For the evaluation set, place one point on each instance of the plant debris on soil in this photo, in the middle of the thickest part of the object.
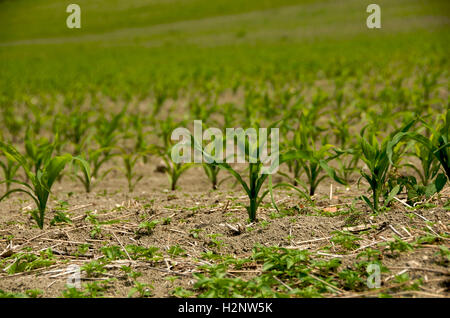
(200, 240)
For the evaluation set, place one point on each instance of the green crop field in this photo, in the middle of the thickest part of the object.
(89, 178)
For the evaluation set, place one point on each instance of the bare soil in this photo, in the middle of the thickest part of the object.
(190, 207)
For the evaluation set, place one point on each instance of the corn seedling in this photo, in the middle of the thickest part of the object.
(348, 166)
(309, 158)
(173, 169)
(129, 167)
(38, 150)
(9, 168)
(428, 161)
(106, 137)
(75, 129)
(13, 123)
(212, 171)
(40, 181)
(138, 135)
(437, 144)
(377, 157)
(256, 178)
(95, 159)
(315, 162)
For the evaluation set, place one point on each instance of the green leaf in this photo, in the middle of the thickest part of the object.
(54, 167)
(267, 266)
(287, 185)
(440, 182)
(367, 200)
(12, 154)
(18, 182)
(19, 190)
(85, 165)
(235, 174)
(331, 172)
(271, 194)
(392, 194)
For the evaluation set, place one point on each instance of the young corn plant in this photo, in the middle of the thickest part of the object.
(75, 129)
(130, 160)
(251, 150)
(252, 188)
(378, 158)
(429, 165)
(437, 145)
(256, 179)
(164, 129)
(9, 168)
(173, 169)
(312, 160)
(40, 181)
(95, 163)
(212, 171)
(428, 81)
(38, 150)
(37, 112)
(347, 167)
(160, 96)
(107, 137)
(138, 134)
(11, 121)
(315, 163)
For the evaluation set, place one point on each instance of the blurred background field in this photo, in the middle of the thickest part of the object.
(131, 47)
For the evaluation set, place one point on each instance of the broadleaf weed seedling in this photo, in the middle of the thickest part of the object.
(144, 290)
(26, 261)
(147, 227)
(345, 239)
(176, 250)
